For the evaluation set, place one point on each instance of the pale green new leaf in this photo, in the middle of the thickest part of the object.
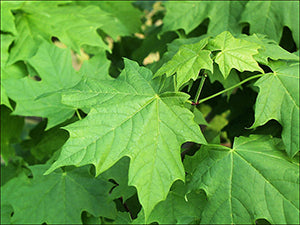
(58, 198)
(269, 17)
(278, 99)
(270, 49)
(234, 53)
(187, 63)
(41, 98)
(253, 180)
(222, 15)
(136, 111)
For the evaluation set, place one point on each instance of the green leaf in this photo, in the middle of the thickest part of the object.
(173, 48)
(117, 22)
(11, 128)
(13, 168)
(48, 142)
(119, 173)
(234, 53)
(278, 99)
(72, 25)
(42, 98)
(28, 40)
(231, 80)
(120, 24)
(7, 18)
(253, 180)
(133, 110)
(6, 41)
(187, 63)
(178, 208)
(58, 198)
(270, 49)
(272, 17)
(222, 15)
(97, 67)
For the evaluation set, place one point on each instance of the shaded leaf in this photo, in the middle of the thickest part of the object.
(178, 208)
(11, 128)
(58, 198)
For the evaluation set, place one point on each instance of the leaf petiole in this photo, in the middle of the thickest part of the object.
(78, 114)
(203, 77)
(232, 87)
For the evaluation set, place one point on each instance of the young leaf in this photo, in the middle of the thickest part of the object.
(271, 17)
(278, 99)
(252, 180)
(234, 53)
(41, 98)
(58, 198)
(187, 63)
(150, 124)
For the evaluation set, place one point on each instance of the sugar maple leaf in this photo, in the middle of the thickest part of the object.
(132, 116)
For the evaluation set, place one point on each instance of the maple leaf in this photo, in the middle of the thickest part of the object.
(252, 180)
(11, 129)
(58, 198)
(187, 62)
(234, 53)
(6, 41)
(119, 173)
(72, 25)
(269, 49)
(272, 17)
(146, 116)
(278, 99)
(223, 16)
(7, 17)
(41, 98)
(178, 208)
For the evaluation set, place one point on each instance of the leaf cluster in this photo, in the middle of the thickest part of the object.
(149, 112)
